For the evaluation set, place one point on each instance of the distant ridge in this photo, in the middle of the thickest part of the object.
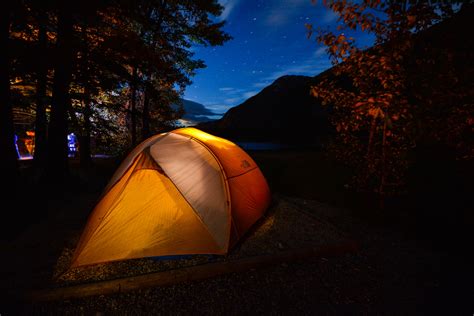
(280, 112)
(195, 113)
(285, 110)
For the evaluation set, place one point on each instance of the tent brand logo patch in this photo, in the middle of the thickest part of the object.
(245, 164)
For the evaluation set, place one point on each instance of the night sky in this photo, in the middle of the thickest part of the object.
(269, 41)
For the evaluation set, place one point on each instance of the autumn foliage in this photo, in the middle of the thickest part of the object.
(389, 97)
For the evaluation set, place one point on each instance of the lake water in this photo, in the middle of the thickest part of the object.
(262, 146)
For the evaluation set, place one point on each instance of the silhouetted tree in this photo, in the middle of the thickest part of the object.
(58, 128)
(133, 106)
(41, 89)
(96, 51)
(8, 157)
(166, 30)
(146, 132)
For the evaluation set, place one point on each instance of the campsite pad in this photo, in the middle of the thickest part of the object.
(286, 226)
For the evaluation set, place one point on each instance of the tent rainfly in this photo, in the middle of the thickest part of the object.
(177, 193)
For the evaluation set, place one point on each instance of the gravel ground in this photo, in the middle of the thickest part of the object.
(283, 227)
(393, 274)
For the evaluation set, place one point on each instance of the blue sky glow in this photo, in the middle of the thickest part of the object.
(269, 41)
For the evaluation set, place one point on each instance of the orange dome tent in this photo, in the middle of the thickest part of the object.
(182, 192)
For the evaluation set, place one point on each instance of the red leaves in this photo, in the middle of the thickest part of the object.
(340, 39)
(374, 113)
(411, 20)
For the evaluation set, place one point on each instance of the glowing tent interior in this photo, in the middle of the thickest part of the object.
(182, 192)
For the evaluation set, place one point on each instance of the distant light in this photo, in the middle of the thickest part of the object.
(72, 144)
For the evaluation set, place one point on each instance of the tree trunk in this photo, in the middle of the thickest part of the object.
(146, 114)
(41, 81)
(370, 152)
(58, 126)
(133, 100)
(85, 139)
(383, 174)
(8, 156)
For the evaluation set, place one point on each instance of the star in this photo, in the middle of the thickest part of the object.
(281, 46)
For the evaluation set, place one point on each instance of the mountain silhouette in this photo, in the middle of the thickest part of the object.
(279, 112)
(195, 113)
(285, 110)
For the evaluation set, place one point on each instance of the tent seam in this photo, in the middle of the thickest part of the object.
(241, 174)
